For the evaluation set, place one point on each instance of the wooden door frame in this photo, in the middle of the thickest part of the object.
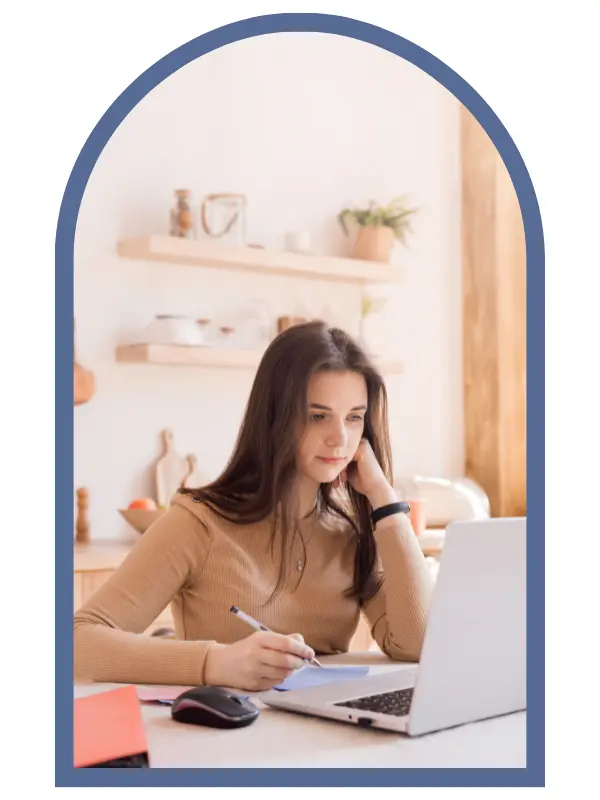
(494, 323)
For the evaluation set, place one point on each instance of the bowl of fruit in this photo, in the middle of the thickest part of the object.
(141, 513)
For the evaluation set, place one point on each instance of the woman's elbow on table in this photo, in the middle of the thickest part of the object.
(409, 652)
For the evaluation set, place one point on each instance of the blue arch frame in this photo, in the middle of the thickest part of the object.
(65, 775)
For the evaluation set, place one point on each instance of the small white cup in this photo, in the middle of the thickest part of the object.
(298, 242)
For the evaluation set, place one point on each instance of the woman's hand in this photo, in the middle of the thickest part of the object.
(256, 663)
(365, 475)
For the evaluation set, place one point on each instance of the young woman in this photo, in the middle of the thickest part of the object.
(302, 531)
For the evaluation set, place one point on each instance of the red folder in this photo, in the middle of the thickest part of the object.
(108, 730)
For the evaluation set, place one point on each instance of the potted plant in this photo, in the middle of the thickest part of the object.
(378, 227)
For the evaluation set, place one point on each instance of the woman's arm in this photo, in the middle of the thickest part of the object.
(109, 641)
(397, 613)
(108, 630)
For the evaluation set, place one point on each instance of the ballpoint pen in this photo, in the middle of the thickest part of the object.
(258, 626)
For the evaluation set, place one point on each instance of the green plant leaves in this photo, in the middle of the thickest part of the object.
(394, 215)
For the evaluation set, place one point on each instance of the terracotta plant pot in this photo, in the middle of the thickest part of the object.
(374, 243)
(84, 385)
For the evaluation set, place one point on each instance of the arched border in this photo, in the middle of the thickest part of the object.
(136, 91)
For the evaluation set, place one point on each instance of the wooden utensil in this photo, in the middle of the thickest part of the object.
(171, 470)
(193, 479)
(82, 525)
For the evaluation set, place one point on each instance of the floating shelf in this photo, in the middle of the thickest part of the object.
(180, 356)
(220, 357)
(172, 250)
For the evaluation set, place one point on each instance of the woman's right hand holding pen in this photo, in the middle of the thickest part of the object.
(257, 663)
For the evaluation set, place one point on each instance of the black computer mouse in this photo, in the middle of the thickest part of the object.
(214, 707)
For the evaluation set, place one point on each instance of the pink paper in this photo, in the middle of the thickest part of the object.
(156, 694)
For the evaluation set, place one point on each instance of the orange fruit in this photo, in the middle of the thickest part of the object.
(146, 503)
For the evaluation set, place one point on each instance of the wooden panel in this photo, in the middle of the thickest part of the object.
(87, 583)
(479, 307)
(494, 334)
(91, 582)
(103, 555)
(512, 340)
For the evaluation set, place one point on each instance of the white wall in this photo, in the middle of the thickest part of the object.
(304, 124)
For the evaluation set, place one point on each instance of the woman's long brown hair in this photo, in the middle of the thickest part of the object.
(258, 480)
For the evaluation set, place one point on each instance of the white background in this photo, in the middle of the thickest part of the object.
(305, 125)
(64, 63)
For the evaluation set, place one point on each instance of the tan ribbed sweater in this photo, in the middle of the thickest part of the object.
(203, 565)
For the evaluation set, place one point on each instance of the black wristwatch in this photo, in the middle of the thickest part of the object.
(401, 507)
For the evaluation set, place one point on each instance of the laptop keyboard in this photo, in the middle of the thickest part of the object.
(396, 703)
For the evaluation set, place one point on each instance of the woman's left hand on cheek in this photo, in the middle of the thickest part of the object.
(364, 473)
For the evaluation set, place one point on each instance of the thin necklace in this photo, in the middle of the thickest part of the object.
(301, 561)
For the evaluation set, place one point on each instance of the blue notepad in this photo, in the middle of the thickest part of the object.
(310, 676)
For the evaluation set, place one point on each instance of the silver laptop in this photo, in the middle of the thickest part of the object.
(473, 663)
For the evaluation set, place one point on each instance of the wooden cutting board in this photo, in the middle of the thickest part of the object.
(194, 478)
(171, 470)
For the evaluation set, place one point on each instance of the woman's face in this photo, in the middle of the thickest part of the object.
(337, 404)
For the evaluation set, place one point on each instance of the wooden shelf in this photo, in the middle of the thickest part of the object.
(174, 355)
(172, 250)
